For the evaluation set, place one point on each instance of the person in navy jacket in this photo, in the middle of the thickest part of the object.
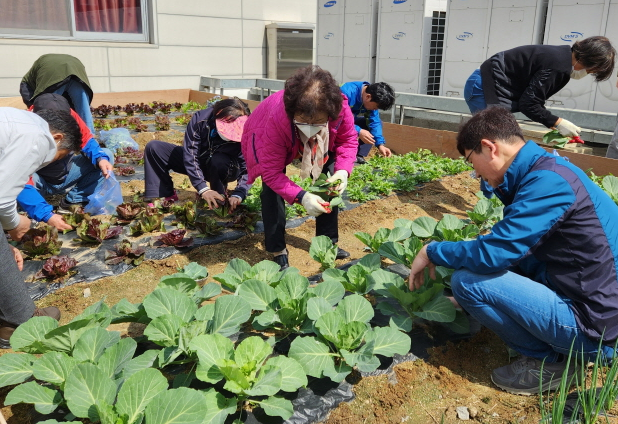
(78, 176)
(545, 278)
(365, 99)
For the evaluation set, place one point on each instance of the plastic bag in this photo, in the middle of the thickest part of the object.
(104, 201)
(117, 138)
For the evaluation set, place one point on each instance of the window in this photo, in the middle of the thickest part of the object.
(105, 20)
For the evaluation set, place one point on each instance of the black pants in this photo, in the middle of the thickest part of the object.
(363, 148)
(273, 216)
(161, 157)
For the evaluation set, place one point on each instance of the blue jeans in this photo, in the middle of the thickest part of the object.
(529, 317)
(473, 92)
(82, 180)
(79, 98)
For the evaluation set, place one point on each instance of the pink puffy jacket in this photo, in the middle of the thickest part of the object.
(269, 144)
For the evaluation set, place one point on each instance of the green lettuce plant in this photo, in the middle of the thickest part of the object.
(94, 231)
(248, 372)
(373, 243)
(428, 302)
(238, 271)
(345, 340)
(285, 308)
(324, 251)
(356, 278)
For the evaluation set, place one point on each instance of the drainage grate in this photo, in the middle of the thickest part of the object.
(436, 47)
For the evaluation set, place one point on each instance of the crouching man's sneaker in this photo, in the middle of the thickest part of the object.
(522, 376)
(7, 329)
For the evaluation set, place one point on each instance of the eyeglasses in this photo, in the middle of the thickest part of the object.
(472, 151)
(312, 125)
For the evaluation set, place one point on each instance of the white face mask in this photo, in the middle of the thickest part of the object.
(309, 130)
(578, 74)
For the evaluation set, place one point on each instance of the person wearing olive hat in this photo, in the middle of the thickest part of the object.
(210, 156)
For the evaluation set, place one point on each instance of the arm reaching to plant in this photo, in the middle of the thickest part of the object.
(211, 197)
(385, 151)
(417, 270)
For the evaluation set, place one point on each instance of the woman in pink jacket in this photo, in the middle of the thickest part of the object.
(310, 120)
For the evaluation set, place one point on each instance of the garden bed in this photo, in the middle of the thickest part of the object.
(453, 375)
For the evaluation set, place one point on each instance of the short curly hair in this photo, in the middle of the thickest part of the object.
(312, 91)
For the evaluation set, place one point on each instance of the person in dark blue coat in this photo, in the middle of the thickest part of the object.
(365, 99)
(545, 278)
(210, 156)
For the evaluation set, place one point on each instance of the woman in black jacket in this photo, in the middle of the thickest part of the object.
(523, 78)
(210, 156)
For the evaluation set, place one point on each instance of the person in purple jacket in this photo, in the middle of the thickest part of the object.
(210, 154)
(310, 120)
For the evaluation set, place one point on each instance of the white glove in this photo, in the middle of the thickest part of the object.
(567, 128)
(342, 176)
(313, 204)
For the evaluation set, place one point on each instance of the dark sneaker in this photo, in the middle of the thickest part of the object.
(522, 376)
(360, 160)
(342, 254)
(7, 329)
(282, 261)
(64, 207)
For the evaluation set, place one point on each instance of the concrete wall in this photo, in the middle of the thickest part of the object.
(189, 38)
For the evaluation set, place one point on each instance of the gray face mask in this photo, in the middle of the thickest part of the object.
(578, 74)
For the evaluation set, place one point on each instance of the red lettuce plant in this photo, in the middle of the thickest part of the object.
(244, 220)
(207, 226)
(124, 171)
(126, 252)
(127, 212)
(94, 231)
(149, 220)
(162, 123)
(76, 216)
(174, 238)
(57, 267)
(137, 125)
(41, 243)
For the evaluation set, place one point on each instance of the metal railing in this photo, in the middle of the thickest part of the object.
(594, 121)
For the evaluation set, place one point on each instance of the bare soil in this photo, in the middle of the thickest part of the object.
(420, 392)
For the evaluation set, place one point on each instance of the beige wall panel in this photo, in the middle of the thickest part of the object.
(154, 83)
(254, 33)
(180, 30)
(175, 61)
(254, 61)
(9, 87)
(217, 8)
(280, 10)
(20, 57)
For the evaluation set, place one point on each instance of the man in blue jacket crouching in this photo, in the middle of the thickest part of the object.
(545, 278)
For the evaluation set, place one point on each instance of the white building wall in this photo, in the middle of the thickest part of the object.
(189, 38)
